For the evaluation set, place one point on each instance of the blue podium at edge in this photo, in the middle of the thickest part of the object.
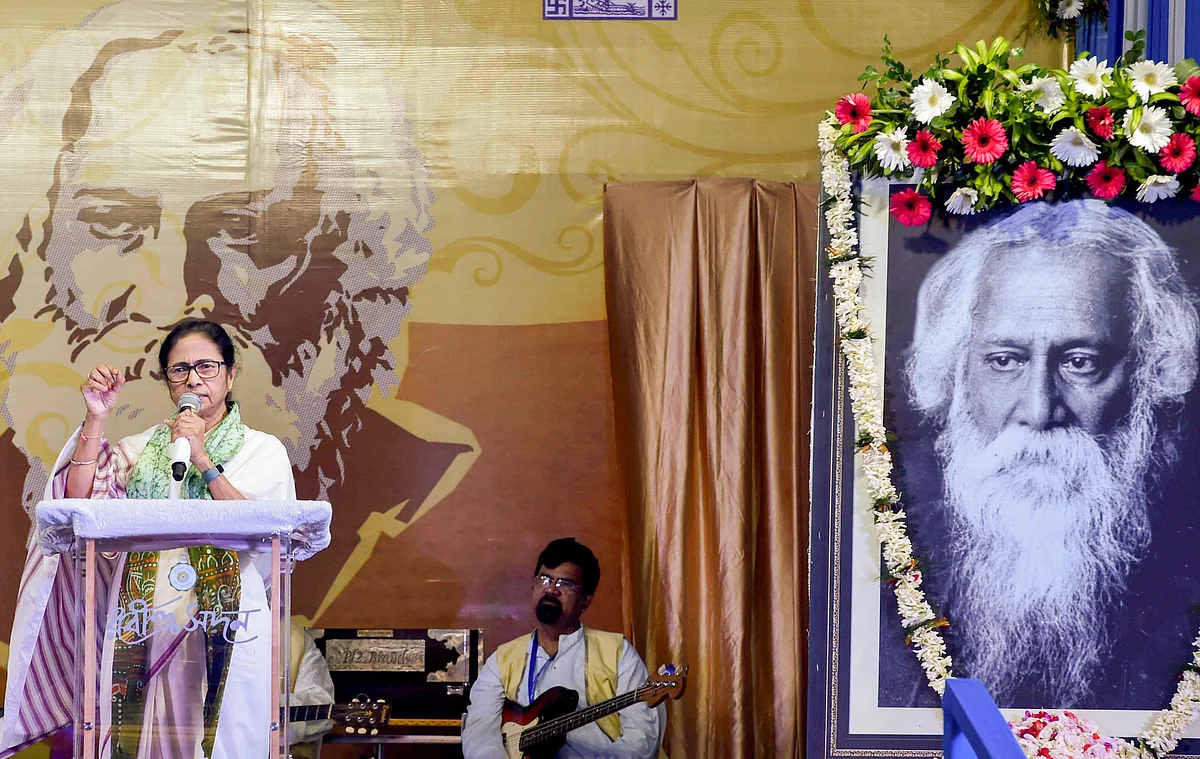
(973, 725)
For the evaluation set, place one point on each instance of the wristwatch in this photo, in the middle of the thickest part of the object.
(212, 474)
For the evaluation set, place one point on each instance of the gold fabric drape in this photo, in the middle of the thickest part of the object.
(710, 306)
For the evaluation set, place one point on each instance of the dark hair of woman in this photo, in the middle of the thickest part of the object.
(211, 330)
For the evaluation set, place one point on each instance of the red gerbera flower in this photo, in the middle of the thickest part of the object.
(1029, 181)
(1196, 193)
(1106, 182)
(984, 141)
(923, 149)
(855, 109)
(1100, 121)
(1178, 154)
(911, 208)
(1189, 95)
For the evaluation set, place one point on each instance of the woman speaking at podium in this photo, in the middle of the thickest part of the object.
(174, 694)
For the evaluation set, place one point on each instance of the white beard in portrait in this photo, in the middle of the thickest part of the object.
(1045, 528)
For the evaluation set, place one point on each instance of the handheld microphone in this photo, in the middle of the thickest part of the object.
(181, 449)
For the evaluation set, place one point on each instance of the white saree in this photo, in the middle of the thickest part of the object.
(41, 673)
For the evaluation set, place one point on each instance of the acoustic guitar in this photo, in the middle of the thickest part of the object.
(539, 730)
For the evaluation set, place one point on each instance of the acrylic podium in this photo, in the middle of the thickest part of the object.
(177, 640)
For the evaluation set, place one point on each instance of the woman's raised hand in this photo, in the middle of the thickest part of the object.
(100, 390)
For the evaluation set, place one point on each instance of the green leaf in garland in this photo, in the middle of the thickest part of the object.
(1135, 118)
(966, 55)
(1186, 69)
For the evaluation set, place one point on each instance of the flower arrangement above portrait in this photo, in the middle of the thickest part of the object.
(1059, 18)
(984, 135)
(989, 132)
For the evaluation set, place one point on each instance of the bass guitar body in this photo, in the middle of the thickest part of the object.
(516, 721)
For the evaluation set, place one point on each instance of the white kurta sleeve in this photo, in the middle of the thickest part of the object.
(481, 731)
(313, 687)
(262, 471)
(641, 726)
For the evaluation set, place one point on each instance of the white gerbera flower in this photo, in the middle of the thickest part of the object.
(1158, 187)
(930, 100)
(1050, 95)
(1088, 75)
(963, 201)
(1148, 78)
(891, 148)
(1073, 148)
(1153, 131)
(1070, 8)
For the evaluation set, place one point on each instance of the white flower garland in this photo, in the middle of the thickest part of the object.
(916, 614)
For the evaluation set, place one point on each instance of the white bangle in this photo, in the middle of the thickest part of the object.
(82, 463)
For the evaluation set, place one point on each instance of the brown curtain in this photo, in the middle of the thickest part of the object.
(710, 308)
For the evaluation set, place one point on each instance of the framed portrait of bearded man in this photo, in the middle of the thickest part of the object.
(1039, 373)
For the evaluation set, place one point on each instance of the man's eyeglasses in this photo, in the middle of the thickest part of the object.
(559, 583)
(177, 373)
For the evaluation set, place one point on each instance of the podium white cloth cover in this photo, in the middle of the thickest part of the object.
(235, 525)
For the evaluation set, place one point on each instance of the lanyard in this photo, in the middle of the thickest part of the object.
(533, 679)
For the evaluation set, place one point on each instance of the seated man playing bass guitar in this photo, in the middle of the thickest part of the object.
(600, 671)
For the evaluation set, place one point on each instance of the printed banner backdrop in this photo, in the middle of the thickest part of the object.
(395, 206)
(1050, 517)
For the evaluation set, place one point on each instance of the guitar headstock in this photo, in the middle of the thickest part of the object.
(362, 716)
(668, 683)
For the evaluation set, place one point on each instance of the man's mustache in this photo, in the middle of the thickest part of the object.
(550, 601)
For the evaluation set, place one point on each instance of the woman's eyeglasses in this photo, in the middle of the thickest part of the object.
(559, 583)
(177, 373)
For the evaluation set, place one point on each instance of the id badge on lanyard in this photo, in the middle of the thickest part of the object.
(534, 678)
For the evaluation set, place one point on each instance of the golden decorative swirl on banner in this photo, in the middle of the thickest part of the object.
(668, 44)
(570, 239)
(524, 185)
(741, 106)
(966, 31)
(505, 157)
(748, 50)
(599, 171)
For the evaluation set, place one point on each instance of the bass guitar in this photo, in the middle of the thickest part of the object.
(539, 730)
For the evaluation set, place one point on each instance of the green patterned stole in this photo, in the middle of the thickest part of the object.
(218, 588)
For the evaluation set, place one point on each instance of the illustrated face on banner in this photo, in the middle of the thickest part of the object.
(180, 164)
(1051, 354)
(156, 195)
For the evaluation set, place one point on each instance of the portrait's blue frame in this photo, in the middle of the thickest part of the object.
(832, 480)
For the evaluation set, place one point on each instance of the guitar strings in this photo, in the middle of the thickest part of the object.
(581, 717)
